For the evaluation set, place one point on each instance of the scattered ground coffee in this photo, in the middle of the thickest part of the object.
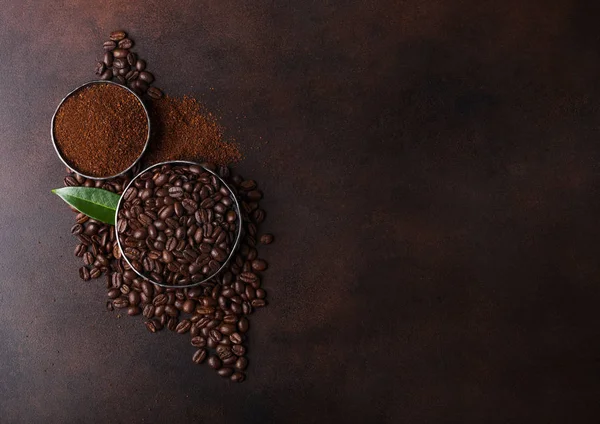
(101, 130)
(183, 130)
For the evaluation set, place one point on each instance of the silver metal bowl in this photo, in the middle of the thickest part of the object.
(64, 160)
(237, 210)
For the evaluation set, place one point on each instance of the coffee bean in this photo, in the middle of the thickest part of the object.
(133, 310)
(183, 327)
(227, 329)
(237, 377)
(125, 43)
(241, 363)
(140, 85)
(216, 335)
(107, 75)
(214, 362)
(109, 306)
(238, 349)
(243, 324)
(259, 265)
(236, 338)
(120, 63)
(266, 238)
(148, 311)
(100, 68)
(108, 59)
(172, 323)
(198, 341)
(131, 75)
(95, 273)
(121, 303)
(258, 303)
(154, 92)
(84, 273)
(132, 60)
(260, 293)
(225, 372)
(109, 46)
(146, 76)
(199, 356)
(120, 53)
(151, 326)
(117, 35)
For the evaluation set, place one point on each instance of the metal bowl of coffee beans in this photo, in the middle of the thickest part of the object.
(178, 224)
(100, 130)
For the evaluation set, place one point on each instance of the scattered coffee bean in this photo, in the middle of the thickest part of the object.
(125, 43)
(266, 238)
(200, 356)
(214, 362)
(117, 35)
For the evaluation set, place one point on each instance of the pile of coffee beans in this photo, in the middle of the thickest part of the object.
(213, 314)
(177, 224)
(122, 65)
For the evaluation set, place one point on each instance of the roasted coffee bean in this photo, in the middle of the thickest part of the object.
(77, 229)
(172, 323)
(148, 311)
(237, 377)
(225, 372)
(151, 326)
(132, 60)
(140, 65)
(117, 35)
(266, 238)
(236, 338)
(140, 85)
(260, 293)
(243, 324)
(198, 341)
(109, 306)
(183, 327)
(133, 310)
(211, 343)
(95, 273)
(227, 329)
(120, 63)
(241, 363)
(100, 68)
(230, 360)
(121, 303)
(248, 277)
(216, 335)
(259, 265)
(107, 75)
(84, 273)
(125, 43)
(108, 60)
(200, 356)
(147, 77)
(80, 250)
(214, 362)
(154, 92)
(258, 303)
(109, 46)
(238, 349)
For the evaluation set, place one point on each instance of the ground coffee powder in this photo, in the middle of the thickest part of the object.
(101, 130)
(183, 130)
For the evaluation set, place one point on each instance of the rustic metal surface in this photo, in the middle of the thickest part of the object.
(431, 176)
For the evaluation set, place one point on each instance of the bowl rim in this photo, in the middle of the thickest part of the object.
(71, 93)
(235, 244)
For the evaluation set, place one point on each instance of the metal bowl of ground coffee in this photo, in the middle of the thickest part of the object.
(100, 130)
(149, 236)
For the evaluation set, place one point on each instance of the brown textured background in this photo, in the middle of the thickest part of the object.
(431, 175)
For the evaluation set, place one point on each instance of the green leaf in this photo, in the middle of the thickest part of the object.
(94, 202)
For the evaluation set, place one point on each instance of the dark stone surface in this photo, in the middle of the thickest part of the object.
(431, 175)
